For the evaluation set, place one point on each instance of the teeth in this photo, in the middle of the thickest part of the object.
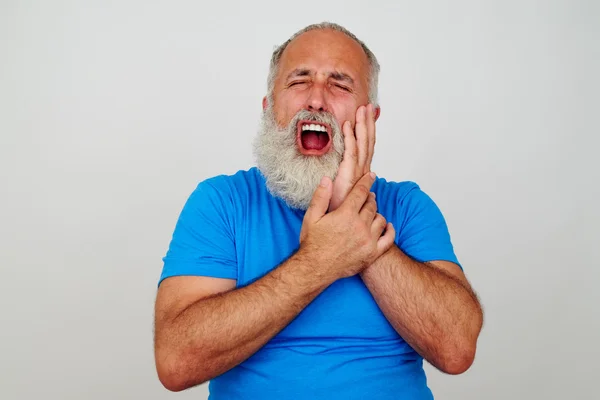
(314, 127)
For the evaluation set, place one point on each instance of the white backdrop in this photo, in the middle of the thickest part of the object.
(112, 111)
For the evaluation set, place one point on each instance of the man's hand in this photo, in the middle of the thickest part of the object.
(358, 154)
(342, 243)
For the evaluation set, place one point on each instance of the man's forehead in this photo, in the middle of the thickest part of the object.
(326, 49)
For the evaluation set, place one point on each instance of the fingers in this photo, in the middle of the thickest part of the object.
(378, 225)
(359, 193)
(387, 240)
(369, 209)
(370, 135)
(350, 148)
(362, 138)
(320, 201)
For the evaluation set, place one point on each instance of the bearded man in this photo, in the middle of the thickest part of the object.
(308, 277)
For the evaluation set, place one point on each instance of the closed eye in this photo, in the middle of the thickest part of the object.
(343, 87)
(296, 83)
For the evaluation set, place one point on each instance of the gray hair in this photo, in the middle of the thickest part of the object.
(373, 63)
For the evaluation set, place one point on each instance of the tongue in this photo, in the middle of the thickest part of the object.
(314, 140)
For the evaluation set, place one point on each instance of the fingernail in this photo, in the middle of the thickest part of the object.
(373, 175)
(324, 182)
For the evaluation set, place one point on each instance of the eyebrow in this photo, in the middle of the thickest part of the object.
(338, 76)
(298, 72)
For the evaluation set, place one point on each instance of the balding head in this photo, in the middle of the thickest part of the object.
(373, 65)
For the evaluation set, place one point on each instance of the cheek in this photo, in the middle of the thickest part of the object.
(288, 109)
(345, 115)
(282, 114)
(344, 109)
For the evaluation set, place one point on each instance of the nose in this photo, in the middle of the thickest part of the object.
(316, 99)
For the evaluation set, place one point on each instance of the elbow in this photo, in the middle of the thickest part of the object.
(172, 377)
(172, 382)
(174, 373)
(457, 361)
(459, 357)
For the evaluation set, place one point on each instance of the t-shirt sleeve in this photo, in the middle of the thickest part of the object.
(203, 240)
(423, 233)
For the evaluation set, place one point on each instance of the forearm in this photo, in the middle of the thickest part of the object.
(438, 315)
(217, 333)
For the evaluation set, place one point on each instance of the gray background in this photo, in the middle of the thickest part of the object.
(112, 112)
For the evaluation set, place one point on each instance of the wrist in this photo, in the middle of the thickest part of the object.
(385, 258)
(314, 263)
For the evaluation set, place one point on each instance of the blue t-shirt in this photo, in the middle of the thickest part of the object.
(340, 346)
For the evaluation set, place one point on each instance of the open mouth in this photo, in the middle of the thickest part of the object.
(314, 138)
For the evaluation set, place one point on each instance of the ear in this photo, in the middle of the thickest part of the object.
(377, 112)
(265, 103)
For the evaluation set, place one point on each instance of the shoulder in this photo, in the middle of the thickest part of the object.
(228, 181)
(226, 186)
(405, 201)
(421, 229)
(396, 192)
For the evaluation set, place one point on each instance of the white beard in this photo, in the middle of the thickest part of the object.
(290, 175)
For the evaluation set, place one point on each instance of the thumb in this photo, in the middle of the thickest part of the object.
(320, 200)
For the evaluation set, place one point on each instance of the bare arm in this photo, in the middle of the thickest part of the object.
(214, 334)
(431, 305)
(199, 337)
